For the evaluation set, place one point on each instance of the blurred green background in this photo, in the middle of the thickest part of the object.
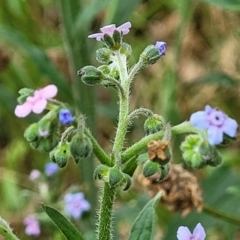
(45, 41)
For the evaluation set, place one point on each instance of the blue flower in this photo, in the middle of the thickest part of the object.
(65, 117)
(51, 169)
(161, 46)
(76, 204)
(216, 123)
(184, 233)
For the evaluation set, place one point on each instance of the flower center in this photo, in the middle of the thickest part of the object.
(217, 118)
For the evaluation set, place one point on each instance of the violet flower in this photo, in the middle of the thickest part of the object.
(76, 204)
(109, 30)
(37, 102)
(215, 122)
(51, 169)
(65, 117)
(184, 233)
(32, 226)
(161, 46)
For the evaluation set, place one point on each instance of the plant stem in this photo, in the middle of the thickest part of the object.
(6, 231)
(105, 213)
(98, 151)
(221, 215)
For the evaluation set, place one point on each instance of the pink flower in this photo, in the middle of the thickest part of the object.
(32, 226)
(37, 102)
(109, 30)
(184, 233)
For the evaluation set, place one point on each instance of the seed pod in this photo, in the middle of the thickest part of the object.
(80, 147)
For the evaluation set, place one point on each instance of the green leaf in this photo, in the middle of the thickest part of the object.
(233, 5)
(67, 228)
(143, 226)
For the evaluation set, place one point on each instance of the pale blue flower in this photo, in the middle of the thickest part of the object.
(51, 169)
(184, 233)
(161, 46)
(216, 123)
(75, 204)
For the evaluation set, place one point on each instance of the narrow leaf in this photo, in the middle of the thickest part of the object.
(143, 225)
(67, 228)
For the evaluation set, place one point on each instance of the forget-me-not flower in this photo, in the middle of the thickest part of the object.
(184, 233)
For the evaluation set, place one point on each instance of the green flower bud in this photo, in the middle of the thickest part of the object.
(101, 172)
(126, 182)
(126, 49)
(31, 132)
(150, 168)
(60, 154)
(153, 124)
(150, 55)
(90, 75)
(81, 147)
(164, 171)
(209, 154)
(103, 55)
(115, 177)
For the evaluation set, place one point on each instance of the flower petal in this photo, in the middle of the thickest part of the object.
(230, 127)
(124, 28)
(98, 36)
(49, 91)
(215, 135)
(199, 232)
(39, 106)
(199, 120)
(23, 110)
(183, 233)
(109, 29)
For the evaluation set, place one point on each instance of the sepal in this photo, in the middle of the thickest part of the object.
(103, 55)
(90, 75)
(153, 124)
(150, 168)
(101, 172)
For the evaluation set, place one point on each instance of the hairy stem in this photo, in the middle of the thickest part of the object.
(105, 213)
(6, 231)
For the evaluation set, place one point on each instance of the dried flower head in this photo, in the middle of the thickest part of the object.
(156, 149)
(181, 191)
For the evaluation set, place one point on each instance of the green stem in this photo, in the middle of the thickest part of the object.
(185, 127)
(98, 151)
(105, 213)
(136, 68)
(141, 145)
(221, 215)
(6, 231)
(137, 112)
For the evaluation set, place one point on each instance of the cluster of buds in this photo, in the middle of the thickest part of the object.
(113, 176)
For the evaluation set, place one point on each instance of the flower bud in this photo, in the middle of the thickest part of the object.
(164, 171)
(103, 55)
(190, 149)
(31, 132)
(81, 147)
(90, 75)
(126, 49)
(60, 154)
(126, 182)
(150, 55)
(101, 172)
(150, 168)
(115, 177)
(153, 124)
(209, 154)
(47, 144)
